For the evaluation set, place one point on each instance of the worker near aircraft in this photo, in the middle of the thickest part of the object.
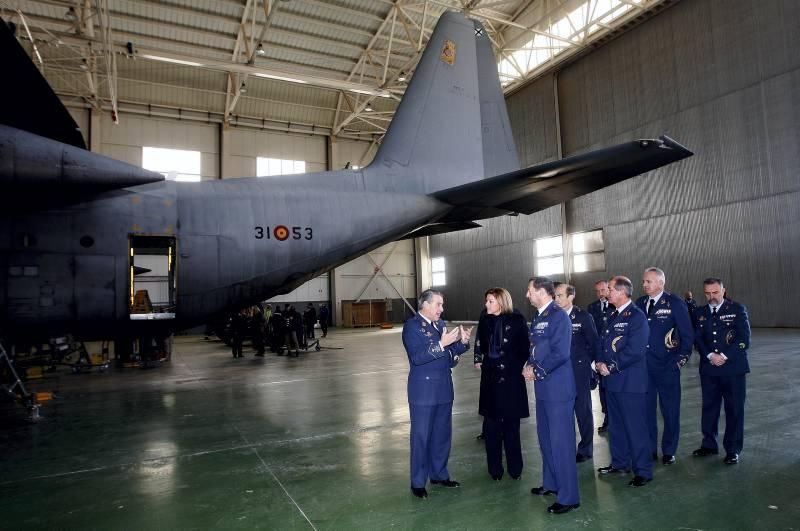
(550, 367)
(432, 351)
(668, 350)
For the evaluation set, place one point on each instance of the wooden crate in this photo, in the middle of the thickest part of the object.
(365, 313)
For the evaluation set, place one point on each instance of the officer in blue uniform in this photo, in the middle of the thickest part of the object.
(623, 362)
(668, 350)
(549, 365)
(432, 351)
(584, 346)
(722, 338)
(600, 310)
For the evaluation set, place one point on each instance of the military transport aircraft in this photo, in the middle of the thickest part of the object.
(78, 231)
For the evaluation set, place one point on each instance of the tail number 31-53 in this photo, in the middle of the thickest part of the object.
(283, 233)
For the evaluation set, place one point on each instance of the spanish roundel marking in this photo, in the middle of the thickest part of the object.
(281, 232)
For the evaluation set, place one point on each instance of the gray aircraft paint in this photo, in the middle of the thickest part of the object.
(451, 132)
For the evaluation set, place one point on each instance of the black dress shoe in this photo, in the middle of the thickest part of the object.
(445, 483)
(497, 477)
(516, 478)
(638, 481)
(668, 459)
(580, 458)
(731, 459)
(419, 492)
(704, 452)
(480, 437)
(541, 491)
(558, 508)
(611, 470)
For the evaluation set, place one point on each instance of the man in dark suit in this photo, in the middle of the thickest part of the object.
(583, 350)
(600, 310)
(549, 365)
(722, 338)
(668, 350)
(623, 362)
(432, 351)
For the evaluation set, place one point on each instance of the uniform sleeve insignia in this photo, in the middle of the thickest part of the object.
(448, 54)
(614, 343)
(730, 337)
(671, 339)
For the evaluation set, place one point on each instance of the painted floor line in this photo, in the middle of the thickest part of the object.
(278, 481)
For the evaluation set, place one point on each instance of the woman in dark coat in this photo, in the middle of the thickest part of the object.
(504, 396)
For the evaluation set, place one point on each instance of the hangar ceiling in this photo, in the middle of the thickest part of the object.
(336, 67)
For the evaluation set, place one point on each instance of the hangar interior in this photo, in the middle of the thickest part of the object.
(215, 90)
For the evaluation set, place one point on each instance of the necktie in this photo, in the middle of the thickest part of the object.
(651, 307)
(603, 307)
(713, 310)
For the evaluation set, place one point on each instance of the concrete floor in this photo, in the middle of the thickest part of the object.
(321, 442)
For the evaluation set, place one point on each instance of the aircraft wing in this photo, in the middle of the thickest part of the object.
(538, 187)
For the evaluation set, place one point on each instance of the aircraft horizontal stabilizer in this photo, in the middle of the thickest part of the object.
(538, 187)
(29, 103)
(440, 228)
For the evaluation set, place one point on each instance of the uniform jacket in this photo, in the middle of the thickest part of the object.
(585, 340)
(504, 394)
(671, 332)
(624, 351)
(727, 332)
(599, 316)
(551, 338)
(429, 379)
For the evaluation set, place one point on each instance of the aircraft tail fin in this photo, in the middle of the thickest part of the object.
(31, 105)
(452, 127)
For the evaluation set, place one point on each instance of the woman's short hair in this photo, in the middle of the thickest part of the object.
(502, 296)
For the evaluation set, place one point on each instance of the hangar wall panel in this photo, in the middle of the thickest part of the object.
(245, 145)
(124, 141)
(352, 151)
(722, 78)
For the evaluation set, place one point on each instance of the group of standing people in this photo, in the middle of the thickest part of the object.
(635, 349)
(277, 328)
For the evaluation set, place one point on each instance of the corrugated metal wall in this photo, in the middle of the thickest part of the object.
(722, 78)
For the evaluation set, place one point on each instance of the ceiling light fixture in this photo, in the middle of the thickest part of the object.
(243, 89)
(260, 50)
(401, 77)
(368, 108)
(70, 14)
(170, 60)
(281, 78)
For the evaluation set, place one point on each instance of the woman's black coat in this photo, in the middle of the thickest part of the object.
(503, 391)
